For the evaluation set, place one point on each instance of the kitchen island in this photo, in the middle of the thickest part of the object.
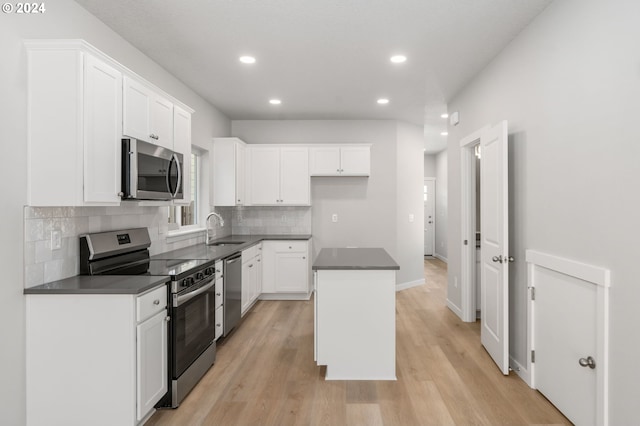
(355, 332)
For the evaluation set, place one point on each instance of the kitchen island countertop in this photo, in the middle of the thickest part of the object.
(354, 258)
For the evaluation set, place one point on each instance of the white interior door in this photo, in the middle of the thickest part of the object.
(563, 334)
(494, 231)
(429, 216)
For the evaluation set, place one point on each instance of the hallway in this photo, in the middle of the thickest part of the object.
(265, 374)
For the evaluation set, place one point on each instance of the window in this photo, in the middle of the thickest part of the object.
(181, 217)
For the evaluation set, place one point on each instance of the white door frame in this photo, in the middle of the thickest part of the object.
(468, 216)
(601, 278)
(433, 234)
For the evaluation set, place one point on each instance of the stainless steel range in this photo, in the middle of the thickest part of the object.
(192, 348)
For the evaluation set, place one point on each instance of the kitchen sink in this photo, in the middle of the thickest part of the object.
(225, 243)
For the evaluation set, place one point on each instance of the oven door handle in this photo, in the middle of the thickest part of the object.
(186, 297)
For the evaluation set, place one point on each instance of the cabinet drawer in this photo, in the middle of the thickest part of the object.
(151, 303)
(290, 246)
(219, 292)
(219, 314)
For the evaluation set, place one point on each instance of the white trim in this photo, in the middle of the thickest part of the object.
(456, 309)
(410, 284)
(601, 278)
(184, 234)
(285, 296)
(441, 257)
(593, 274)
(468, 216)
(520, 370)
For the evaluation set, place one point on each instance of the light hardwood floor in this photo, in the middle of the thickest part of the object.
(265, 374)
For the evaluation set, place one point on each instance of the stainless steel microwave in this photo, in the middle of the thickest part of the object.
(150, 172)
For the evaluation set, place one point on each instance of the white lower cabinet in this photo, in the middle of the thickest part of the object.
(151, 363)
(286, 270)
(251, 276)
(219, 300)
(98, 359)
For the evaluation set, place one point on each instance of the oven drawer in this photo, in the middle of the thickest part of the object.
(151, 303)
(219, 322)
(219, 292)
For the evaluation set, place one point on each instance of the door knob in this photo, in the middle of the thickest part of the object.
(587, 362)
(497, 259)
(430, 222)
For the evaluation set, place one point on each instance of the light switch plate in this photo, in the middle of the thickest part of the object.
(411, 217)
(334, 217)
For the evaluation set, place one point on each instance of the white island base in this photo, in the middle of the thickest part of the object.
(355, 327)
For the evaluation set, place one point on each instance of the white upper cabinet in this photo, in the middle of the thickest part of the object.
(74, 127)
(182, 145)
(80, 105)
(102, 131)
(147, 115)
(340, 160)
(228, 172)
(263, 175)
(278, 175)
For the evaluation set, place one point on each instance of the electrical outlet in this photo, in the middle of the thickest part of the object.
(283, 219)
(56, 240)
(334, 217)
(411, 217)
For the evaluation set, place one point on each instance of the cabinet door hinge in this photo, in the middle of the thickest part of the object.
(533, 356)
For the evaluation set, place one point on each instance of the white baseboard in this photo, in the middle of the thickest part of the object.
(520, 370)
(285, 296)
(441, 257)
(409, 284)
(456, 309)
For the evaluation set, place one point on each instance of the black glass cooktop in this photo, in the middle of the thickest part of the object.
(176, 268)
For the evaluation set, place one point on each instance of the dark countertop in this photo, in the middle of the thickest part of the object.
(354, 258)
(136, 284)
(100, 284)
(210, 252)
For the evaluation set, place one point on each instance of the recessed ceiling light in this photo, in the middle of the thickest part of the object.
(398, 59)
(383, 101)
(247, 59)
(444, 133)
(275, 101)
(445, 115)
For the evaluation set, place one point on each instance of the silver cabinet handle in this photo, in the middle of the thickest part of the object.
(251, 266)
(304, 257)
(587, 362)
(218, 294)
(156, 302)
(218, 325)
(497, 259)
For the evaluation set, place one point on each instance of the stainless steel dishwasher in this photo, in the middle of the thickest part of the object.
(232, 291)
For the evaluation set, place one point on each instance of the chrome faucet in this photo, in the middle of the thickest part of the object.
(206, 223)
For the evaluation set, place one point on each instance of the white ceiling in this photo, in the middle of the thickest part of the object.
(326, 59)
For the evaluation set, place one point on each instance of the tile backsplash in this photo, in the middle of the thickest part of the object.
(271, 220)
(42, 264)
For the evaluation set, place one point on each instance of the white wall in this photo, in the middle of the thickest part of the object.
(442, 206)
(569, 86)
(63, 19)
(410, 204)
(435, 165)
(430, 165)
(366, 207)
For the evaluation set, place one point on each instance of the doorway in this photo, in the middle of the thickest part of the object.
(491, 263)
(429, 195)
